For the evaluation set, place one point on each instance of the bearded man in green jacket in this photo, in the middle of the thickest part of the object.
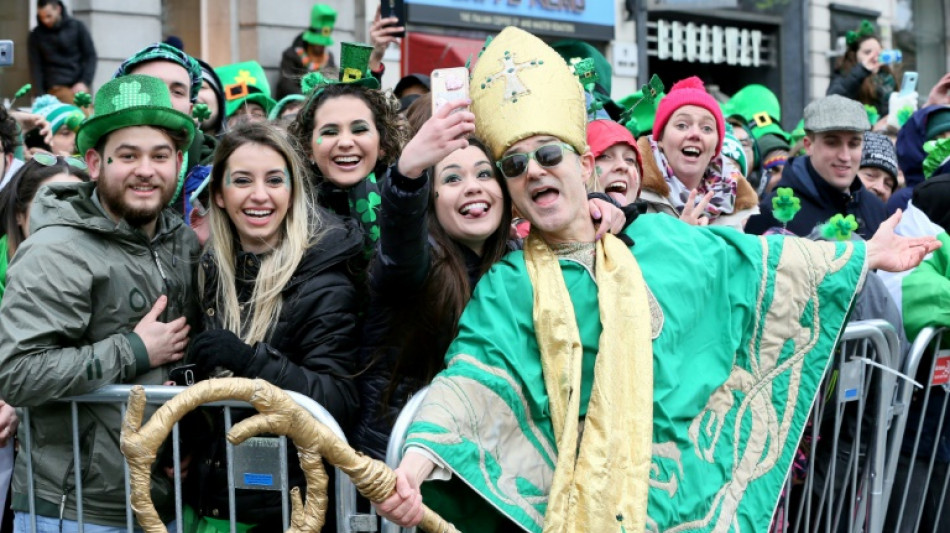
(101, 293)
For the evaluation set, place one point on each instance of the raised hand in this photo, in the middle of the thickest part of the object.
(165, 342)
(382, 33)
(893, 253)
(694, 213)
(444, 133)
(609, 218)
(940, 94)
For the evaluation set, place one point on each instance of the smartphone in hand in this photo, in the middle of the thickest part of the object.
(394, 8)
(909, 83)
(448, 84)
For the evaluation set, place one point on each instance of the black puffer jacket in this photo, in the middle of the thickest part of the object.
(61, 55)
(820, 201)
(312, 351)
(398, 274)
(848, 84)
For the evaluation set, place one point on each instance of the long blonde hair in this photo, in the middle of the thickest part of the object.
(302, 227)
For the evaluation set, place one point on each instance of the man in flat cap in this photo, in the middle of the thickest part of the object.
(826, 180)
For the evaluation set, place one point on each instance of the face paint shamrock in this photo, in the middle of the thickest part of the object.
(130, 95)
(785, 205)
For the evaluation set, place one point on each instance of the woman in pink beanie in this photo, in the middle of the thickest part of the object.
(684, 173)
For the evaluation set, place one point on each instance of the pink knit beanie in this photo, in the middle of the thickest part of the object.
(690, 91)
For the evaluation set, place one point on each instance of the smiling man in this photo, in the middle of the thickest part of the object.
(826, 180)
(595, 385)
(101, 293)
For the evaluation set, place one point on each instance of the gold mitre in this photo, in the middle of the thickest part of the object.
(522, 87)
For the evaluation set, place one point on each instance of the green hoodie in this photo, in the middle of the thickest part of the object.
(76, 290)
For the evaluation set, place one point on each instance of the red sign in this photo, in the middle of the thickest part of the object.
(941, 371)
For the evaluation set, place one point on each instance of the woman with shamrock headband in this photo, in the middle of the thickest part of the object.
(279, 304)
(351, 133)
(684, 172)
(859, 73)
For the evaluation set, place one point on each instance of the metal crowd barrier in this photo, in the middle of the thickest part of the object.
(396, 441)
(912, 464)
(845, 486)
(348, 520)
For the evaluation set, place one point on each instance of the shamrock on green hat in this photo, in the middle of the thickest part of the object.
(322, 19)
(244, 82)
(128, 101)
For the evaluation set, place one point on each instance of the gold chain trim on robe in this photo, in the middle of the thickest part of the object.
(604, 486)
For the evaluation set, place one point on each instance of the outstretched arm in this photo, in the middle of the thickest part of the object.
(890, 252)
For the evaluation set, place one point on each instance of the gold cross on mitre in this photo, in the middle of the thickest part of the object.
(509, 70)
(244, 76)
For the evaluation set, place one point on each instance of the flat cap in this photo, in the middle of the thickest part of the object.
(836, 113)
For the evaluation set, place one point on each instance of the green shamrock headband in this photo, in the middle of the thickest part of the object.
(866, 29)
(839, 228)
(785, 205)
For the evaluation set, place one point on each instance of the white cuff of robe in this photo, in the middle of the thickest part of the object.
(441, 472)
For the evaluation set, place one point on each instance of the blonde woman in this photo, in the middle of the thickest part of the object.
(278, 302)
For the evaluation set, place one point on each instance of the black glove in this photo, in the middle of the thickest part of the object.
(220, 348)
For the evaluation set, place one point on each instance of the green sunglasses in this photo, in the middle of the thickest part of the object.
(549, 155)
(49, 160)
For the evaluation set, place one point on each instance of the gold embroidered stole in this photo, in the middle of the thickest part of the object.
(602, 484)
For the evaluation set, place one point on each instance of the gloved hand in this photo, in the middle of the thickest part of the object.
(220, 348)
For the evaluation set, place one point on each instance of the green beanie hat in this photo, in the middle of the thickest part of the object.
(938, 122)
(732, 148)
(322, 19)
(57, 113)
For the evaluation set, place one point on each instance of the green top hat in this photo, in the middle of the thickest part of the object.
(322, 19)
(244, 82)
(354, 64)
(132, 100)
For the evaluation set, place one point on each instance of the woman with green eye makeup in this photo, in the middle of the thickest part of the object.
(278, 301)
(684, 172)
(351, 134)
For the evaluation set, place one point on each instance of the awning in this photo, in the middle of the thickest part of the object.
(425, 52)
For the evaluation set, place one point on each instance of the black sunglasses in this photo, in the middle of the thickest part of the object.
(49, 160)
(549, 155)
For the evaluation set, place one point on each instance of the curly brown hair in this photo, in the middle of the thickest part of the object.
(393, 133)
